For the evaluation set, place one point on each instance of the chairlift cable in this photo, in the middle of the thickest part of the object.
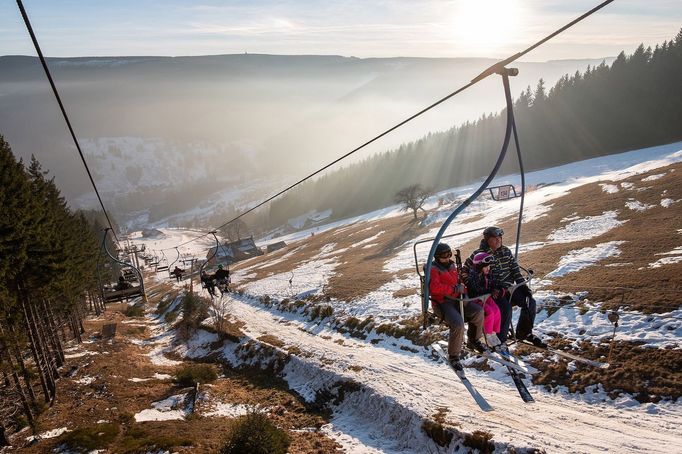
(61, 106)
(491, 70)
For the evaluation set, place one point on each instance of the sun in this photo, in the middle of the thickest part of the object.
(486, 26)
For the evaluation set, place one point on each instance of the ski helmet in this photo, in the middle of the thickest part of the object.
(442, 249)
(220, 267)
(483, 259)
(492, 231)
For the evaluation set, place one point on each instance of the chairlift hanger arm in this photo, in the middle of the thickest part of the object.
(505, 144)
(217, 244)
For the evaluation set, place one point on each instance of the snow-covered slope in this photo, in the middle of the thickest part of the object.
(399, 385)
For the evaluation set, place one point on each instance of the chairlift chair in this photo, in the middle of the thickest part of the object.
(503, 192)
(109, 293)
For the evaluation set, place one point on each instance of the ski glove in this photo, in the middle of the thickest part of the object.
(525, 291)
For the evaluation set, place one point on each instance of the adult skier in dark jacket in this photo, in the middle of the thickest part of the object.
(505, 270)
(444, 286)
(221, 275)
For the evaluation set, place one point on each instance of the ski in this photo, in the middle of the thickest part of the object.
(580, 359)
(520, 386)
(514, 359)
(502, 360)
(480, 400)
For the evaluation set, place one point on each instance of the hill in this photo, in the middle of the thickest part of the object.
(334, 321)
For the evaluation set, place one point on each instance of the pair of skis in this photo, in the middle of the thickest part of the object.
(514, 366)
(480, 400)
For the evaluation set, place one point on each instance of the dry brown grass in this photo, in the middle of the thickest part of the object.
(360, 269)
(647, 233)
(648, 374)
(114, 398)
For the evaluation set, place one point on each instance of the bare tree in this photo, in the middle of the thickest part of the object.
(235, 230)
(413, 198)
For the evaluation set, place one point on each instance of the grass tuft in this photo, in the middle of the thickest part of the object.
(91, 437)
(192, 374)
(254, 433)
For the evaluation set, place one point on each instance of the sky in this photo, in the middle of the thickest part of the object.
(380, 28)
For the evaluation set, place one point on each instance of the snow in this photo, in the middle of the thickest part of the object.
(582, 258)
(79, 354)
(609, 188)
(665, 203)
(48, 434)
(156, 376)
(85, 380)
(307, 279)
(164, 410)
(637, 206)
(586, 228)
(676, 258)
(653, 177)
(232, 410)
(368, 240)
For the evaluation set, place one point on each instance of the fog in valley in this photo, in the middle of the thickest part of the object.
(193, 140)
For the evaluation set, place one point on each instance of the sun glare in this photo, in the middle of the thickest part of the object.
(485, 26)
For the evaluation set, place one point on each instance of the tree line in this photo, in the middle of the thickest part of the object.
(635, 102)
(48, 261)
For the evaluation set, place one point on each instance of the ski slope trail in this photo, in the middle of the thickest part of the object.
(413, 383)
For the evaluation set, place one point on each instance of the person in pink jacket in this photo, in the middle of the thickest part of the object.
(445, 288)
(481, 282)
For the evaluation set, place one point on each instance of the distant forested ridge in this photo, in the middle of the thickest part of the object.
(636, 102)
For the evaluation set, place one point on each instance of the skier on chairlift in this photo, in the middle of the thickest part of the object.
(445, 287)
(505, 269)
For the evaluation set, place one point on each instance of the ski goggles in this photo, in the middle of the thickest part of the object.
(487, 260)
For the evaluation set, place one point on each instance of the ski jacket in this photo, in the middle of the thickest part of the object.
(221, 274)
(480, 284)
(444, 280)
(504, 269)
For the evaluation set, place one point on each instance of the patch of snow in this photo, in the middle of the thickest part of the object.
(593, 325)
(198, 345)
(79, 355)
(232, 410)
(85, 380)
(48, 434)
(676, 258)
(627, 185)
(308, 279)
(665, 203)
(164, 410)
(635, 205)
(586, 228)
(570, 218)
(653, 177)
(368, 240)
(582, 258)
(609, 188)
